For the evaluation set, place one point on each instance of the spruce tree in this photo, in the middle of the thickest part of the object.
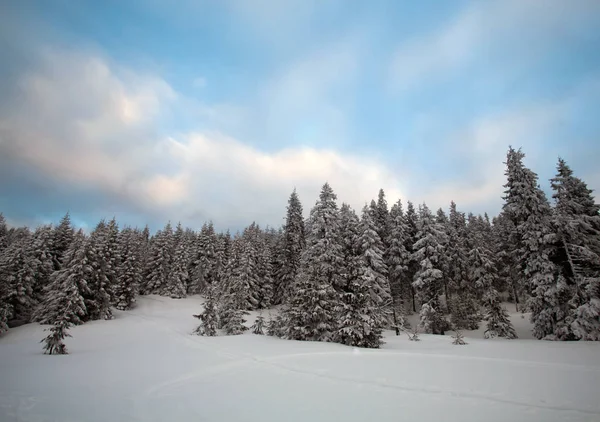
(65, 295)
(365, 302)
(40, 248)
(259, 323)
(397, 259)
(61, 240)
(54, 341)
(576, 219)
(130, 270)
(310, 313)
(159, 261)
(428, 279)
(412, 221)
(177, 281)
(18, 274)
(3, 233)
(208, 317)
(349, 233)
(101, 257)
(293, 244)
(532, 240)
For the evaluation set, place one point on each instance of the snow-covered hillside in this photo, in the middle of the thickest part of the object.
(147, 366)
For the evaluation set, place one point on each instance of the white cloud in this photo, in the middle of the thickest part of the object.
(525, 29)
(83, 122)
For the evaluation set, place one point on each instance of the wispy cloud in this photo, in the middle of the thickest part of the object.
(517, 28)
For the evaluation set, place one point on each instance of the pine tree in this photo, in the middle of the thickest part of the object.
(159, 261)
(54, 341)
(577, 221)
(427, 280)
(203, 266)
(3, 233)
(293, 244)
(349, 233)
(397, 257)
(367, 297)
(65, 295)
(61, 240)
(310, 313)
(532, 239)
(208, 318)
(498, 322)
(257, 327)
(130, 270)
(412, 222)
(482, 274)
(18, 274)
(177, 280)
(40, 249)
(100, 297)
(457, 258)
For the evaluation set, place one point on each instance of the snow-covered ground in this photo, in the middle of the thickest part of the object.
(146, 366)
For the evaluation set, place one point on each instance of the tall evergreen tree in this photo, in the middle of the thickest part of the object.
(177, 281)
(310, 313)
(3, 233)
(18, 275)
(102, 258)
(61, 240)
(412, 221)
(40, 249)
(349, 235)
(428, 250)
(577, 221)
(532, 240)
(398, 259)
(64, 296)
(159, 261)
(130, 270)
(293, 244)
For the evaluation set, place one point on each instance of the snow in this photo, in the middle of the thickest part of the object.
(145, 365)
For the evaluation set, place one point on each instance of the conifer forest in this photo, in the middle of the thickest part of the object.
(341, 275)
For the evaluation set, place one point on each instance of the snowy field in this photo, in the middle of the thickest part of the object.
(146, 366)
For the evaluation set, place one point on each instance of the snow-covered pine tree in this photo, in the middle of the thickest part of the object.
(397, 259)
(349, 233)
(54, 341)
(18, 274)
(203, 265)
(110, 258)
(40, 248)
(159, 261)
(130, 269)
(101, 257)
(293, 244)
(412, 221)
(482, 274)
(64, 297)
(498, 322)
(577, 221)
(177, 281)
(208, 317)
(533, 244)
(3, 233)
(310, 312)
(444, 263)
(428, 279)
(382, 219)
(259, 323)
(61, 239)
(364, 304)
(457, 256)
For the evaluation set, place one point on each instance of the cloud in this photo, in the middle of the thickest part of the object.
(478, 151)
(517, 29)
(87, 125)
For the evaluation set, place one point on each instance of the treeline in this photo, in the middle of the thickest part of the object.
(338, 276)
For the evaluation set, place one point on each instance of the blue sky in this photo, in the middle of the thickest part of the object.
(187, 111)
